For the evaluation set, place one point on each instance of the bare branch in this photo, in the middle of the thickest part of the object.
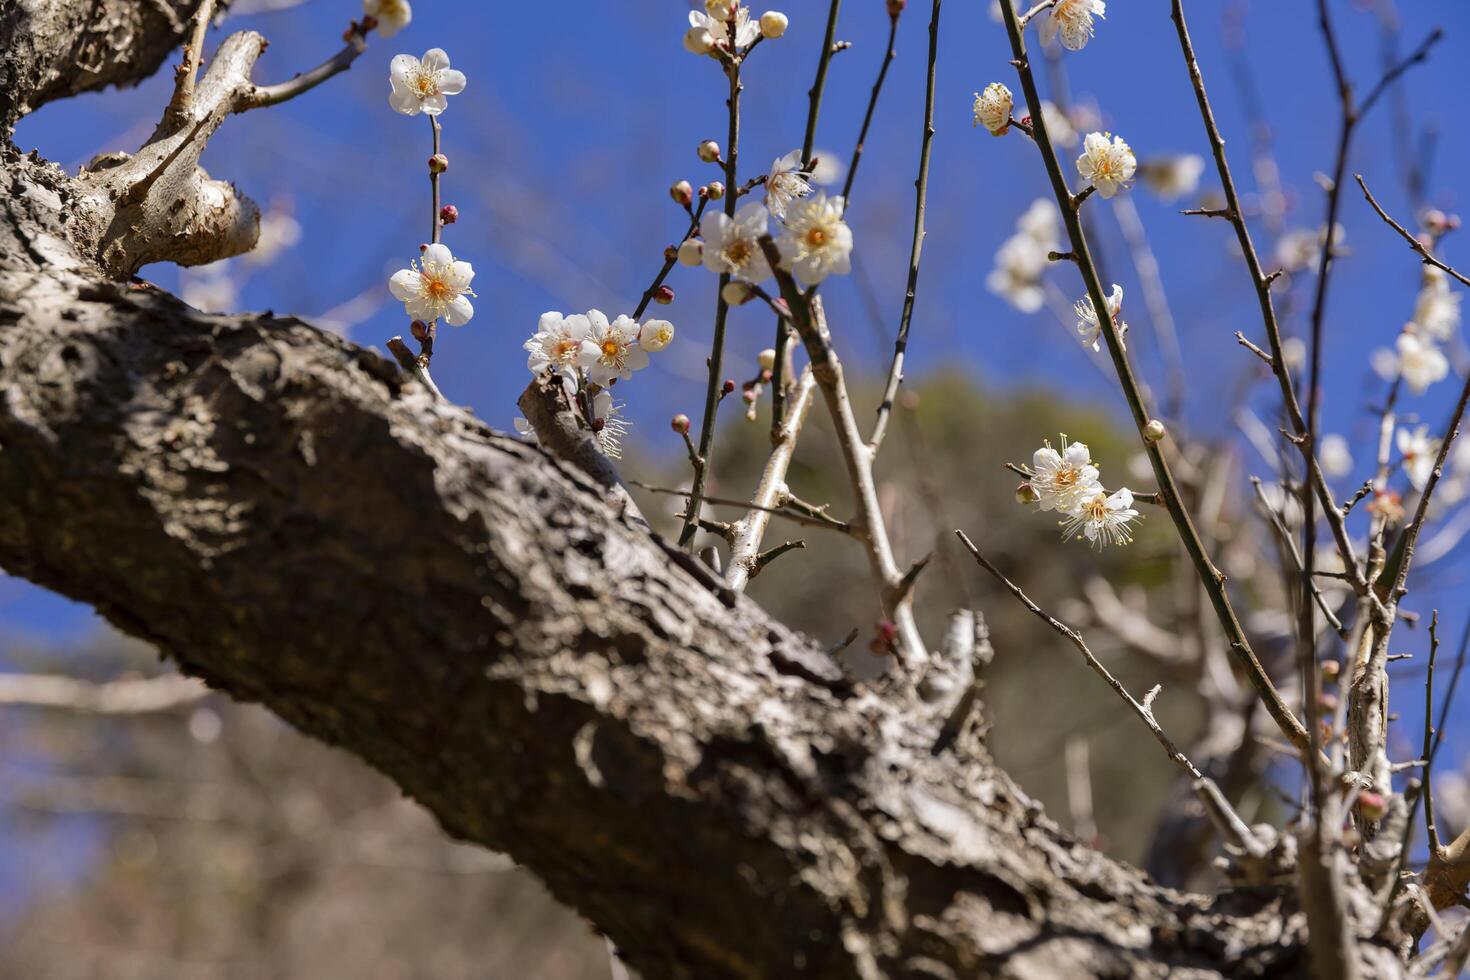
(123, 697)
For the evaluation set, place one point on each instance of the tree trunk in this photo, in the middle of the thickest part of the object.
(290, 520)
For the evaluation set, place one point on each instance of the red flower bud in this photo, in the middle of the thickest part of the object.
(448, 214)
(420, 330)
(438, 163)
(728, 386)
(664, 296)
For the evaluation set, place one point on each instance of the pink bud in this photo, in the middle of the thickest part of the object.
(728, 386)
(448, 214)
(680, 424)
(1372, 805)
(664, 296)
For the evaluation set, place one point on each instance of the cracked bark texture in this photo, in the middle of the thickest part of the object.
(495, 630)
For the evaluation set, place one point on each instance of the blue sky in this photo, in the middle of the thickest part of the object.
(578, 116)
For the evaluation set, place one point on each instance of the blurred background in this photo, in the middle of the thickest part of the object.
(151, 830)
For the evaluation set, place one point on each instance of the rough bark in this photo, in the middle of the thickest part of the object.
(500, 634)
(59, 48)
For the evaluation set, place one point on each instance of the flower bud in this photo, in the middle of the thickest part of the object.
(709, 151)
(1330, 670)
(750, 395)
(1434, 220)
(655, 335)
(682, 192)
(1154, 432)
(1026, 494)
(448, 214)
(438, 163)
(671, 254)
(766, 359)
(885, 638)
(1372, 805)
(680, 424)
(728, 386)
(664, 296)
(895, 7)
(420, 330)
(736, 292)
(691, 253)
(697, 40)
(1327, 701)
(773, 24)
(714, 190)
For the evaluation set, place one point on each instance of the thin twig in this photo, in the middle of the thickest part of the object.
(751, 529)
(1211, 577)
(1409, 237)
(193, 55)
(916, 249)
(1430, 830)
(1143, 711)
(260, 96)
(830, 523)
(1289, 543)
(810, 322)
(722, 313)
(1262, 283)
(890, 52)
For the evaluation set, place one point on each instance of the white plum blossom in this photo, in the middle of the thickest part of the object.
(435, 286)
(735, 29)
(423, 85)
(1059, 126)
(1437, 308)
(1072, 21)
(1173, 177)
(993, 108)
(1103, 518)
(1108, 164)
(557, 342)
(392, 15)
(1089, 326)
(786, 183)
(732, 245)
(655, 335)
(1016, 278)
(1063, 480)
(1420, 362)
(1040, 222)
(610, 351)
(609, 426)
(1419, 451)
(1301, 248)
(1022, 259)
(1335, 457)
(816, 242)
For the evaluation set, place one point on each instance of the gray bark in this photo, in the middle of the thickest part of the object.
(498, 632)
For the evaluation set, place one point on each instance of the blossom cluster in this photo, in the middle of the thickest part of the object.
(1068, 483)
(726, 28)
(1417, 358)
(814, 240)
(1022, 259)
(589, 354)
